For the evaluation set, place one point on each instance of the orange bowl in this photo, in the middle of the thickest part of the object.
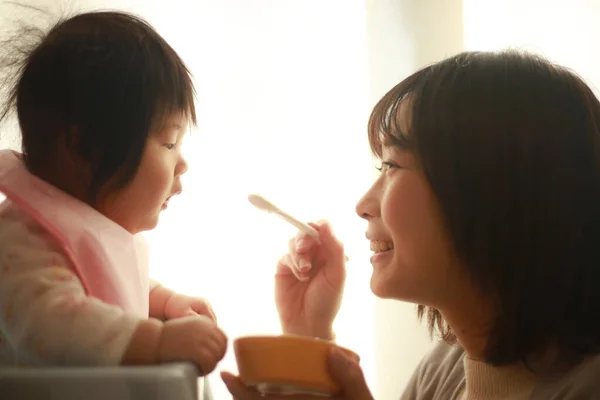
(286, 364)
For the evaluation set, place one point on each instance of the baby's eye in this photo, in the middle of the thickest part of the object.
(170, 146)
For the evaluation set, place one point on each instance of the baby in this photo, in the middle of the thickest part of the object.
(103, 104)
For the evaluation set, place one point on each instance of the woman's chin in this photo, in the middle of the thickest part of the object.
(380, 286)
(395, 287)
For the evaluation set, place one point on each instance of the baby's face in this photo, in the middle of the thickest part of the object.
(137, 206)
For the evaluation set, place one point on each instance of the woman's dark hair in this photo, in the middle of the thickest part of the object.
(100, 82)
(510, 145)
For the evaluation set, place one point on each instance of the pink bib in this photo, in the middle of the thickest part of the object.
(111, 263)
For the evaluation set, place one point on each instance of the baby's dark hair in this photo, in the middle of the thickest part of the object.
(99, 83)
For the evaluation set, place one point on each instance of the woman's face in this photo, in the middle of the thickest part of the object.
(413, 256)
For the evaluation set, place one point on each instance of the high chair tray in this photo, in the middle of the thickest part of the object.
(163, 382)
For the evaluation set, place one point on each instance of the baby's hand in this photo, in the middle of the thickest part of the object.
(180, 305)
(194, 338)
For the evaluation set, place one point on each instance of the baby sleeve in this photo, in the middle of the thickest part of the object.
(46, 318)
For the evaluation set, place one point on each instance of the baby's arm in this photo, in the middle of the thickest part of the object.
(45, 314)
(159, 297)
(46, 318)
(166, 304)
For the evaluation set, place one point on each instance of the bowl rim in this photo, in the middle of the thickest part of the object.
(296, 338)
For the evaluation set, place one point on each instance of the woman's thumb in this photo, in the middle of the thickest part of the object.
(346, 371)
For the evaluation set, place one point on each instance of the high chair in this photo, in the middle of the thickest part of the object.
(163, 382)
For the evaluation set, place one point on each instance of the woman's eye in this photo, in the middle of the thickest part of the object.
(386, 165)
(170, 146)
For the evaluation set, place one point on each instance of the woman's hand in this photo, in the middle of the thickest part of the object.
(309, 283)
(344, 370)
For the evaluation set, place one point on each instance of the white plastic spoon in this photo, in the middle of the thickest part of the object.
(262, 204)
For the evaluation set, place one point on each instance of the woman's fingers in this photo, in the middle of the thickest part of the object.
(286, 265)
(301, 249)
(346, 371)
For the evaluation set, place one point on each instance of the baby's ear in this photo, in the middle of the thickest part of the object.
(78, 159)
(75, 149)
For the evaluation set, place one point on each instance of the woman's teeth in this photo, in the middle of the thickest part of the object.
(379, 246)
